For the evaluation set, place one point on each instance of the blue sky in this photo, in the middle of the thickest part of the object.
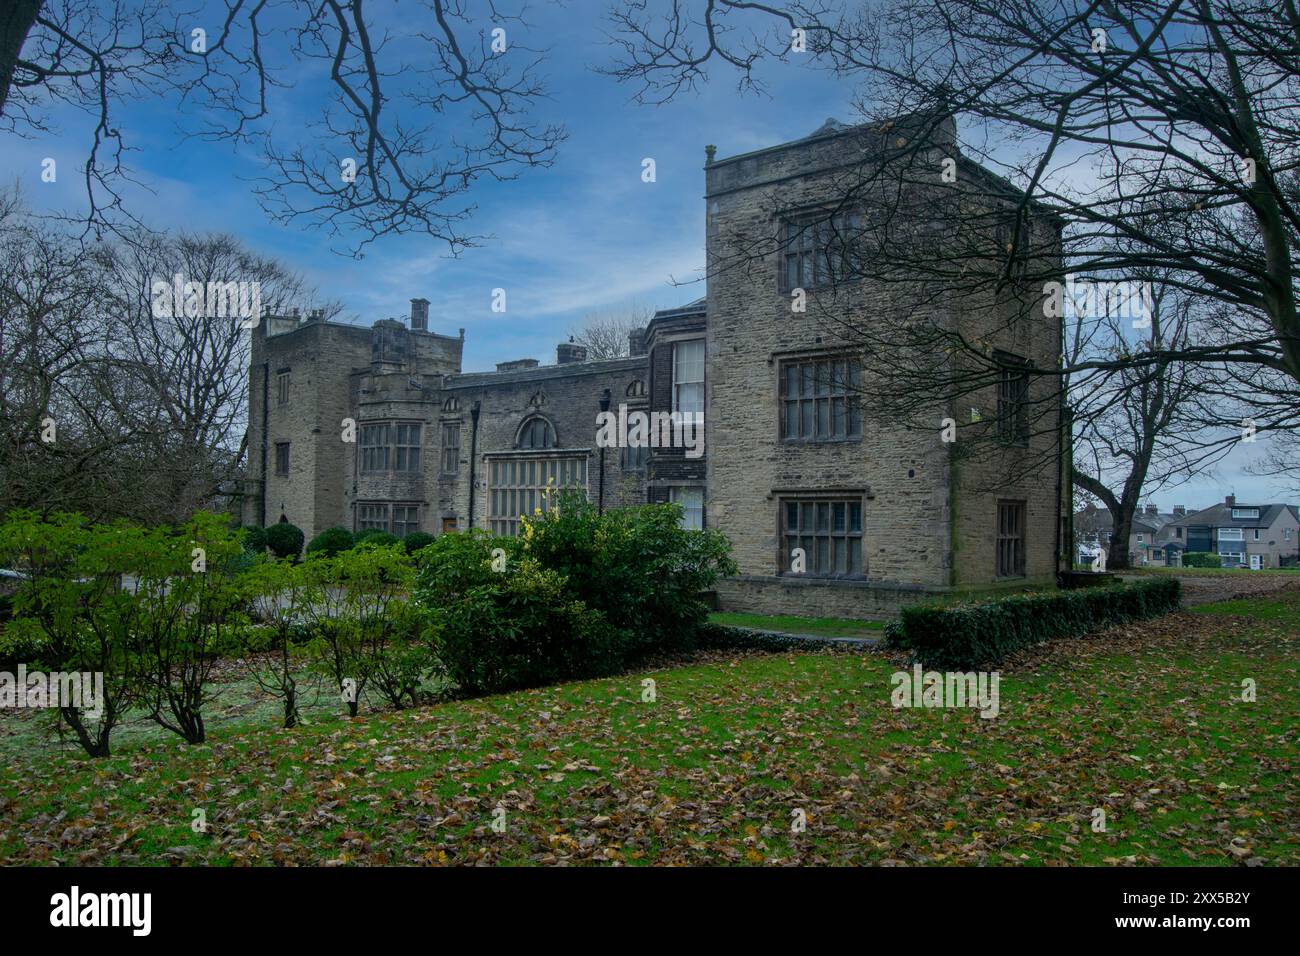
(587, 235)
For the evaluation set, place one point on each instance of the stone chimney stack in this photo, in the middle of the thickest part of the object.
(1180, 511)
(1230, 501)
(420, 315)
(566, 353)
(1153, 510)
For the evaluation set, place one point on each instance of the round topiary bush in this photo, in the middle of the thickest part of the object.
(373, 537)
(331, 541)
(284, 539)
(416, 540)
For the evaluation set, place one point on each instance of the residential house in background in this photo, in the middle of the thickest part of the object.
(1151, 540)
(1244, 536)
(1254, 536)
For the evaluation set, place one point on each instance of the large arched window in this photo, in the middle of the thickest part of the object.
(535, 432)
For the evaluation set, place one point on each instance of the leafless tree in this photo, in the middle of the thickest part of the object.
(1140, 429)
(605, 333)
(191, 370)
(106, 406)
(409, 124)
(1129, 138)
(59, 443)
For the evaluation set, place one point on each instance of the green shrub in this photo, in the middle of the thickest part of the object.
(577, 594)
(374, 538)
(645, 573)
(254, 539)
(1201, 559)
(497, 631)
(405, 657)
(16, 646)
(965, 636)
(257, 638)
(331, 541)
(279, 597)
(357, 606)
(284, 540)
(156, 642)
(416, 540)
(894, 633)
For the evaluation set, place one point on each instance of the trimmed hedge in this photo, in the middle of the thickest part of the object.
(965, 636)
(255, 539)
(1201, 559)
(727, 637)
(332, 541)
(374, 538)
(416, 540)
(284, 540)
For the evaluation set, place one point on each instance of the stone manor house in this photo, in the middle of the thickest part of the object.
(884, 515)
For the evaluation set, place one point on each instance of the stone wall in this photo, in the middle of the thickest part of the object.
(929, 508)
(899, 476)
(326, 363)
(568, 397)
(929, 522)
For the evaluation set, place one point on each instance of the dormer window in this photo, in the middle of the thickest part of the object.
(1245, 512)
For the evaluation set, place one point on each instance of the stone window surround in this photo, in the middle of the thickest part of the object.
(704, 370)
(388, 507)
(638, 404)
(781, 496)
(807, 215)
(779, 360)
(1021, 538)
(674, 486)
(776, 361)
(542, 455)
(443, 448)
(1013, 399)
(528, 420)
(392, 446)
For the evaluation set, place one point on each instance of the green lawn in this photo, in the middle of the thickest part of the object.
(1283, 609)
(791, 624)
(1145, 722)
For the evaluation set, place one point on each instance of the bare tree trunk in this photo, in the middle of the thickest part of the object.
(15, 23)
(95, 745)
(1121, 508)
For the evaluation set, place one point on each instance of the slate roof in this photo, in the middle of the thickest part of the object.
(1220, 516)
(1100, 520)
